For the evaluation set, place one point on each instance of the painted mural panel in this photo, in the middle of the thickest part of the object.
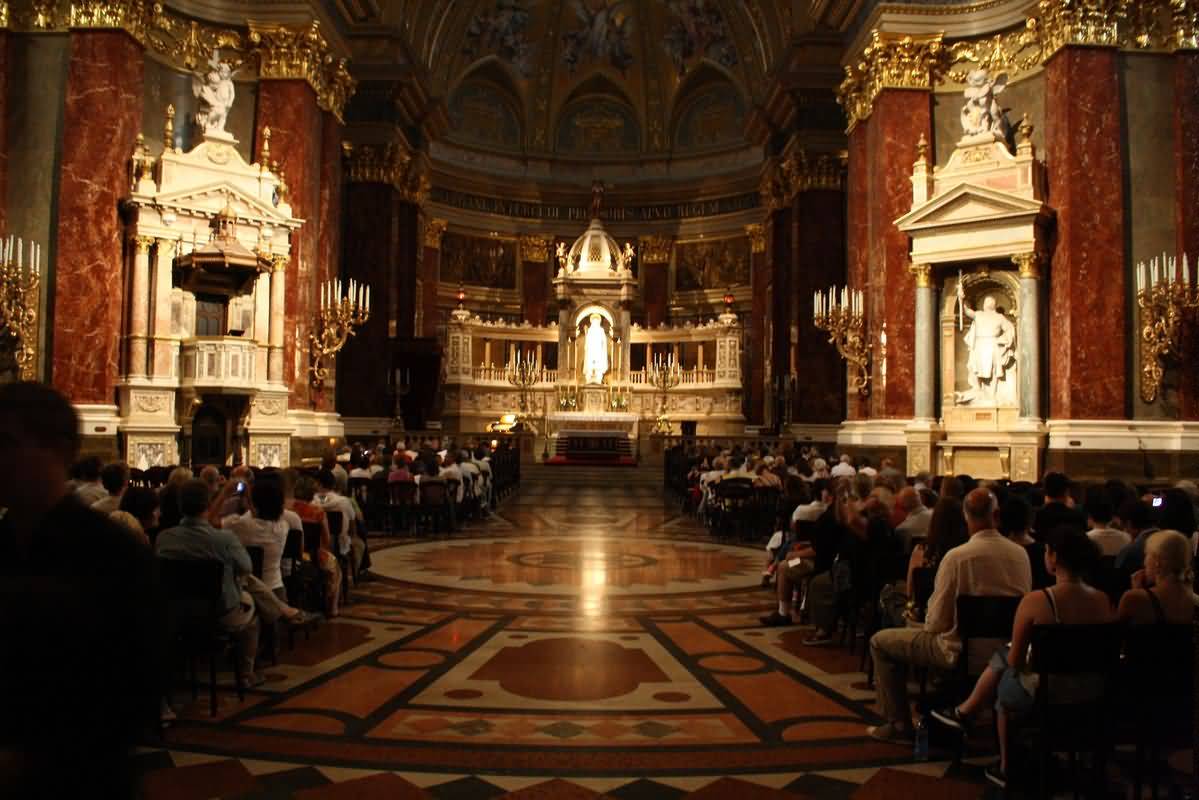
(501, 30)
(602, 33)
(598, 126)
(481, 113)
(714, 118)
(697, 30)
(478, 261)
(714, 264)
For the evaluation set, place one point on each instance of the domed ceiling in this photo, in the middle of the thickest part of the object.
(598, 79)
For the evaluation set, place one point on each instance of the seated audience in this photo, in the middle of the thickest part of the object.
(263, 526)
(844, 467)
(81, 677)
(169, 513)
(361, 470)
(865, 468)
(115, 480)
(1138, 524)
(915, 520)
(399, 471)
(330, 499)
(143, 504)
(130, 523)
(88, 487)
(1099, 522)
(211, 476)
(309, 511)
(946, 530)
(1161, 592)
(1059, 507)
(195, 539)
(987, 564)
(234, 497)
(766, 478)
(1070, 601)
(811, 559)
(1014, 519)
(450, 471)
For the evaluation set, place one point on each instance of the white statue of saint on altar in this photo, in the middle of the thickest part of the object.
(595, 351)
(214, 89)
(991, 345)
(981, 113)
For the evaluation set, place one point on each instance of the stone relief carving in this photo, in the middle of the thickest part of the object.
(151, 403)
(268, 407)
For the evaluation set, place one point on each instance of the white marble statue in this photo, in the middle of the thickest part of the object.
(595, 351)
(981, 112)
(991, 344)
(214, 89)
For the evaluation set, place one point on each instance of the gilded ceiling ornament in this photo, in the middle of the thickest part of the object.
(1184, 24)
(3, 14)
(434, 230)
(656, 249)
(757, 238)
(535, 247)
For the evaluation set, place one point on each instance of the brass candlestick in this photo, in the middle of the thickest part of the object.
(19, 293)
(664, 374)
(523, 373)
(841, 314)
(1165, 298)
(338, 315)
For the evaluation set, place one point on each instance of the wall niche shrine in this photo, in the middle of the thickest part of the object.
(960, 235)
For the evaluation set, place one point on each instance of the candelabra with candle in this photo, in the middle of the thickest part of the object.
(523, 373)
(339, 313)
(664, 374)
(1166, 297)
(840, 312)
(20, 283)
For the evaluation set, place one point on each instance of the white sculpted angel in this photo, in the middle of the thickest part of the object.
(595, 351)
(214, 89)
(981, 113)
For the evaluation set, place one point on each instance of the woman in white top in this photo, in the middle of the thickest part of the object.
(264, 526)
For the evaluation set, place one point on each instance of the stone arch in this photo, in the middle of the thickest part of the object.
(708, 110)
(486, 106)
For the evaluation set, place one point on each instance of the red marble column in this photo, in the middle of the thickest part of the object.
(1186, 182)
(755, 389)
(857, 235)
(657, 293)
(328, 264)
(101, 119)
(430, 272)
(411, 250)
(4, 132)
(782, 248)
(900, 117)
(535, 281)
(289, 108)
(820, 263)
(371, 247)
(1083, 143)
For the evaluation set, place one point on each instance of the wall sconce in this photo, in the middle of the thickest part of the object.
(336, 319)
(840, 312)
(1165, 302)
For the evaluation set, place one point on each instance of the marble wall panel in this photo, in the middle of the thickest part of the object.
(101, 118)
(329, 264)
(1186, 202)
(1149, 212)
(33, 115)
(535, 284)
(168, 86)
(781, 255)
(1024, 96)
(656, 297)
(4, 131)
(289, 108)
(371, 247)
(757, 350)
(857, 233)
(1087, 302)
(820, 263)
(899, 119)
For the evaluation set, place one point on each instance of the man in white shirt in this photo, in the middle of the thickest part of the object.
(844, 468)
(88, 488)
(915, 523)
(810, 512)
(329, 499)
(865, 468)
(483, 462)
(115, 480)
(1099, 522)
(450, 471)
(987, 564)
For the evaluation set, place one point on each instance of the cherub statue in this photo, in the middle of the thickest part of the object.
(981, 112)
(214, 89)
(560, 252)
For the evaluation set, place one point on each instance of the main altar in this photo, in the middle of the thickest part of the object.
(594, 372)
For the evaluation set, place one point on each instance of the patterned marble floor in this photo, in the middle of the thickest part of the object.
(586, 641)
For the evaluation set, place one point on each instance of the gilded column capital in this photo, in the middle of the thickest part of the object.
(813, 171)
(757, 237)
(279, 262)
(143, 244)
(1184, 24)
(890, 61)
(923, 273)
(302, 53)
(389, 163)
(655, 249)
(434, 230)
(535, 247)
(166, 245)
(1029, 265)
(774, 186)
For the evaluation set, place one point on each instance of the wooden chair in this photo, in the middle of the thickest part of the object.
(335, 522)
(451, 493)
(193, 593)
(268, 633)
(434, 507)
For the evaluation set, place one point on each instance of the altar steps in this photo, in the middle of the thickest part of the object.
(596, 448)
(590, 475)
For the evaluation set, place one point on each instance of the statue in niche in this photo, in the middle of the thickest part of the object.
(991, 347)
(981, 112)
(214, 89)
(595, 351)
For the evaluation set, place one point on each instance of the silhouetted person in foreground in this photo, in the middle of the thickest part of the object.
(79, 625)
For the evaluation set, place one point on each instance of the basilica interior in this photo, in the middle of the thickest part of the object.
(578, 257)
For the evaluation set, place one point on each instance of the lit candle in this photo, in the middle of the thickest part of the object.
(368, 298)
(1141, 276)
(20, 254)
(1186, 270)
(1153, 273)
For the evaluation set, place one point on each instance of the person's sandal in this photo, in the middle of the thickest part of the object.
(952, 718)
(890, 732)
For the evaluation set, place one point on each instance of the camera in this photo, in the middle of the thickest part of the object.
(1157, 502)
(241, 487)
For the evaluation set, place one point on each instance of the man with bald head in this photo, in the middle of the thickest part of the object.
(988, 564)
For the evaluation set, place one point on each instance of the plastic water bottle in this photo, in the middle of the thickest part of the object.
(920, 749)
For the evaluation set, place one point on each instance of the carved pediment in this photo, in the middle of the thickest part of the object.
(968, 204)
(211, 198)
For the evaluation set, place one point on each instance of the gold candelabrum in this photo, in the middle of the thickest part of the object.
(523, 373)
(339, 313)
(665, 374)
(20, 283)
(1166, 296)
(840, 312)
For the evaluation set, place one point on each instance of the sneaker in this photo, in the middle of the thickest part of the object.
(818, 639)
(776, 620)
(996, 776)
(952, 718)
(890, 732)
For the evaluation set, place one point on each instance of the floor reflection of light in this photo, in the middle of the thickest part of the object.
(595, 582)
